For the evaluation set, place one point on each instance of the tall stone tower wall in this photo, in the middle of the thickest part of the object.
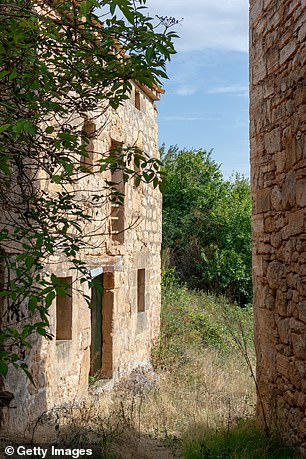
(278, 176)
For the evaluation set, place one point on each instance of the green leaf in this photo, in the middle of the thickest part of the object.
(25, 125)
(41, 331)
(29, 261)
(129, 15)
(137, 181)
(13, 74)
(69, 168)
(85, 7)
(4, 166)
(49, 298)
(28, 373)
(49, 129)
(3, 368)
(32, 305)
(4, 127)
(57, 178)
(4, 73)
(155, 182)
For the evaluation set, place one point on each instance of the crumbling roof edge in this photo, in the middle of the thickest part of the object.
(153, 93)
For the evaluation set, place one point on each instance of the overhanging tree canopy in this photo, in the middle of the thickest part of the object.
(61, 63)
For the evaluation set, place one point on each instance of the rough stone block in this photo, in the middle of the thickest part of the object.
(276, 198)
(284, 254)
(283, 365)
(275, 272)
(276, 239)
(301, 286)
(302, 312)
(272, 60)
(299, 345)
(273, 141)
(266, 321)
(264, 249)
(287, 51)
(262, 200)
(301, 399)
(289, 191)
(281, 304)
(266, 4)
(290, 398)
(301, 192)
(257, 265)
(256, 10)
(280, 160)
(295, 223)
(283, 330)
(258, 72)
(257, 224)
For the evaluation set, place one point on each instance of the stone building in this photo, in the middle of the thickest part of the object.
(278, 176)
(116, 335)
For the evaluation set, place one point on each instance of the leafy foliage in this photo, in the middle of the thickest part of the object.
(194, 321)
(244, 440)
(62, 64)
(207, 224)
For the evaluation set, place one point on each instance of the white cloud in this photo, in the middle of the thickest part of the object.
(207, 24)
(186, 90)
(189, 118)
(237, 89)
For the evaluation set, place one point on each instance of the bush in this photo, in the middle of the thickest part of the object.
(193, 320)
(207, 224)
(243, 441)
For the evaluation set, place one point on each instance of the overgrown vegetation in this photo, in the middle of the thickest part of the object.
(206, 396)
(193, 321)
(207, 225)
(243, 441)
(63, 64)
(198, 404)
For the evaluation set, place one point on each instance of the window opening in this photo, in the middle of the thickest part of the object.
(64, 311)
(141, 279)
(89, 128)
(2, 272)
(137, 99)
(102, 300)
(117, 209)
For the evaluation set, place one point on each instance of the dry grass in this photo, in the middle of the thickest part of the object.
(207, 391)
(192, 404)
(203, 380)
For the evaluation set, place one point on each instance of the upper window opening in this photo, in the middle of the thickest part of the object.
(89, 128)
(141, 280)
(64, 311)
(117, 209)
(137, 99)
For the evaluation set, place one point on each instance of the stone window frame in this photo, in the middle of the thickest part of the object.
(117, 215)
(89, 128)
(137, 101)
(64, 312)
(141, 290)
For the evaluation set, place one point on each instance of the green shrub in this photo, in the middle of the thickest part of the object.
(207, 224)
(244, 441)
(195, 320)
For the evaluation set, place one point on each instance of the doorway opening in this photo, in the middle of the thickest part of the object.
(102, 300)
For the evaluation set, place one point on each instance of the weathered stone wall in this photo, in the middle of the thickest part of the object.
(278, 176)
(61, 368)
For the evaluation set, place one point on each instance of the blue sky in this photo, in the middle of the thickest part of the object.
(206, 100)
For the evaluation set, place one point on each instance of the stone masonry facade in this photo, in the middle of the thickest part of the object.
(117, 335)
(278, 178)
